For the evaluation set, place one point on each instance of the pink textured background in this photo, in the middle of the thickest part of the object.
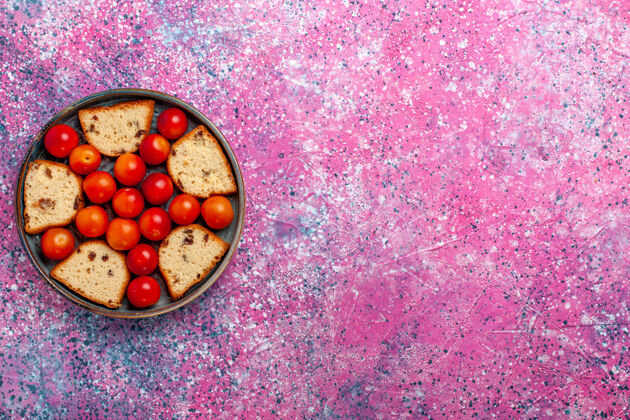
(437, 224)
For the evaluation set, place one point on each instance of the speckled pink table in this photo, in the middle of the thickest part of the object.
(438, 220)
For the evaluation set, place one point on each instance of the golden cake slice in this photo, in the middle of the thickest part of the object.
(96, 272)
(187, 255)
(117, 129)
(52, 196)
(198, 166)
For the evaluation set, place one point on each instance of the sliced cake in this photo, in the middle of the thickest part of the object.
(96, 272)
(198, 166)
(187, 255)
(117, 129)
(52, 196)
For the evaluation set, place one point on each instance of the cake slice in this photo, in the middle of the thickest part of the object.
(199, 167)
(96, 272)
(187, 255)
(117, 129)
(52, 196)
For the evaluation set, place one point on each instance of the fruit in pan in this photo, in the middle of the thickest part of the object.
(92, 221)
(142, 259)
(143, 292)
(129, 169)
(128, 202)
(122, 234)
(155, 224)
(99, 187)
(172, 123)
(60, 140)
(217, 212)
(157, 188)
(184, 209)
(85, 159)
(154, 149)
(199, 165)
(57, 243)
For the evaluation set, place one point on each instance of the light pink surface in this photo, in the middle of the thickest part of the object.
(437, 210)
